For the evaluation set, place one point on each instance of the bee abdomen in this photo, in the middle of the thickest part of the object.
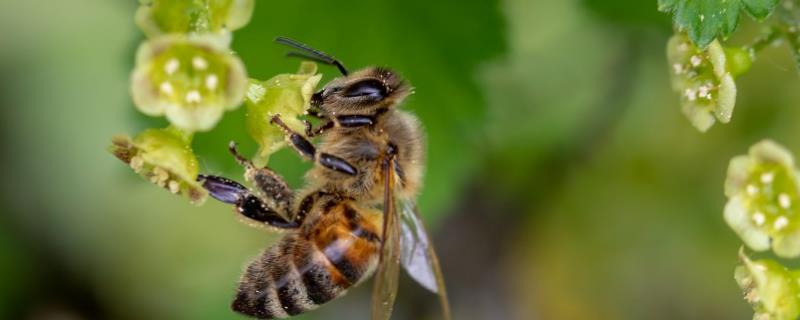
(289, 278)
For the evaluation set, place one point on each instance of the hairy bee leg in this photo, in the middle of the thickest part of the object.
(247, 204)
(272, 188)
(308, 151)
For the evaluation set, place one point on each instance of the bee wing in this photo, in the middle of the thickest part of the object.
(418, 256)
(386, 277)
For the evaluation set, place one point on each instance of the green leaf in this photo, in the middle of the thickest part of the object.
(706, 20)
(760, 9)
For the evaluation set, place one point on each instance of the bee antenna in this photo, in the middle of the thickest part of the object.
(310, 53)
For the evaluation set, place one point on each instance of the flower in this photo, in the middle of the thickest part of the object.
(703, 79)
(164, 157)
(191, 80)
(157, 17)
(762, 191)
(770, 288)
(287, 95)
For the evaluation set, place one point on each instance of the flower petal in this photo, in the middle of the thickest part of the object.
(191, 80)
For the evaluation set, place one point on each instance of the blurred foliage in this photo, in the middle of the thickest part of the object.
(553, 119)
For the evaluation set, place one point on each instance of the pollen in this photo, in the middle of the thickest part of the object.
(193, 96)
(174, 186)
(690, 94)
(704, 91)
(781, 222)
(767, 177)
(695, 60)
(166, 87)
(677, 68)
(137, 163)
(171, 66)
(212, 81)
(784, 200)
(199, 63)
(759, 218)
(751, 190)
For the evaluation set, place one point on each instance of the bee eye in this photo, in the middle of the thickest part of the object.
(372, 89)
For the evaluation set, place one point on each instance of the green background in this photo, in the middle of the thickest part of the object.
(563, 182)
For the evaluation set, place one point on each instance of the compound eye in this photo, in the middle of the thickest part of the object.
(371, 89)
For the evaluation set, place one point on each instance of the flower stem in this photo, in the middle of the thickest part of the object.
(773, 35)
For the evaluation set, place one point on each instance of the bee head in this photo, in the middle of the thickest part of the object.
(362, 92)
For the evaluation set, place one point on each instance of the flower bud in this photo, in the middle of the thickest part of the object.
(163, 157)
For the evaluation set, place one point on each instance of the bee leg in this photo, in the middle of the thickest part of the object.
(355, 121)
(308, 151)
(272, 188)
(247, 204)
(312, 132)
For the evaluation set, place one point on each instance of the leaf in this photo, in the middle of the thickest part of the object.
(760, 9)
(706, 20)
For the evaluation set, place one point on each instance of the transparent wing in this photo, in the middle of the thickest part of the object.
(418, 256)
(386, 277)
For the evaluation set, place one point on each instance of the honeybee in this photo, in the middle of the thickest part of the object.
(356, 214)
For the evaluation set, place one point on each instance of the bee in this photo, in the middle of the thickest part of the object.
(355, 217)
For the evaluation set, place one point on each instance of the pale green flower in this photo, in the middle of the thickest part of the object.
(763, 207)
(163, 157)
(191, 80)
(286, 95)
(772, 290)
(704, 81)
(157, 17)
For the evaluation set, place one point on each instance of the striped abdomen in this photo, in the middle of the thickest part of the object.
(313, 265)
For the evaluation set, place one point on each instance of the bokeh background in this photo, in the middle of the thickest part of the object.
(563, 182)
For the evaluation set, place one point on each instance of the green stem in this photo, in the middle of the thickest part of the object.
(772, 35)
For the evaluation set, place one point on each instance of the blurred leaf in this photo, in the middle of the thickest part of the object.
(628, 13)
(535, 110)
(760, 9)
